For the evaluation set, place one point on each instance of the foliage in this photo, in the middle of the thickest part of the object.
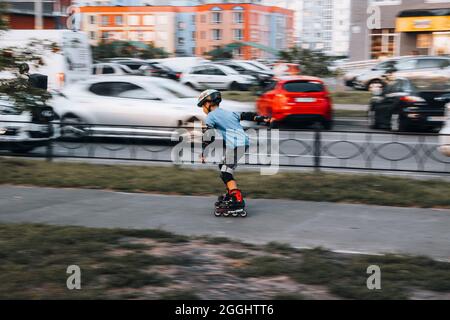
(105, 50)
(313, 63)
(16, 86)
(220, 53)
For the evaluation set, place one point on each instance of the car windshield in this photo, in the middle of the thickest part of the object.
(249, 66)
(441, 84)
(175, 89)
(125, 69)
(227, 69)
(303, 86)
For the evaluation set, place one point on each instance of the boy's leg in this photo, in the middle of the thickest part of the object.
(232, 157)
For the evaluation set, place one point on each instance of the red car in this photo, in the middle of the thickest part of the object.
(297, 99)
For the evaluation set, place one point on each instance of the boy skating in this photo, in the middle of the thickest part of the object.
(236, 143)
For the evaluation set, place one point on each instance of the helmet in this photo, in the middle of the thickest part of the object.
(209, 95)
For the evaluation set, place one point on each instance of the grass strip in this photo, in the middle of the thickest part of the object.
(371, 189)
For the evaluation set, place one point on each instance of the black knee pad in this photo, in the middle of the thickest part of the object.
(226, 177)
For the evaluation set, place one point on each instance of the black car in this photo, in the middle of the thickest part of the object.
(410, 103)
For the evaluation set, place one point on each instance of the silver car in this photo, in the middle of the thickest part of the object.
(405, 67)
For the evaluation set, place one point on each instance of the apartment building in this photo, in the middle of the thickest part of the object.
(404, 27)
(21, 14)
(222, 24)
(189, 30)
(320, 24)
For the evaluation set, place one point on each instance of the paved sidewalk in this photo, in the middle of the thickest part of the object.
(341, 227)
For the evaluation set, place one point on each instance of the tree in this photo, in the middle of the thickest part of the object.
(313, 63)
(17, 87)
(220, 53)
(105, 50)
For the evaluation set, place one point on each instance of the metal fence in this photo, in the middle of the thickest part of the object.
(317, 149)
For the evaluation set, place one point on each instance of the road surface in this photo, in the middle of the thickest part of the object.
(339, 227)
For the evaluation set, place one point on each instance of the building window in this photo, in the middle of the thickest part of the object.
(92, 20)
(118, 20)
(238, 17)
(203, 35)
(161, 19)
(105, 20)
(181, 25)
(203, 18)
(92, 35)
(238, 34)
(383, 43)
(180, 40)
(149, 20)
(105, 35)
(216, 17)
(133, 20)
(216, 34)
(193, 35)
(424, 41)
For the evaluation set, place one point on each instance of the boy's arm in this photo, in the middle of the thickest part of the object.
(252, 116)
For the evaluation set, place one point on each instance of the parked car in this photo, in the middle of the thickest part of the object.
(402, 67)
(373, 77)
(246, 68)
(34, 128)
(297, 99)
(164, 71)
(409, 103)
(142, 67)
(444, 138)
(216, 76)
(111, 69)
(111, 103)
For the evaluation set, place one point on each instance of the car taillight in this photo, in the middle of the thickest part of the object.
(281, 100)
(60, 78)
(412, 99)
(178, 75)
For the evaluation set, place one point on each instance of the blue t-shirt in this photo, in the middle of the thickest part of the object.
(229, 125)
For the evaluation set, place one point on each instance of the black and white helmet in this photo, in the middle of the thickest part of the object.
(209, 95)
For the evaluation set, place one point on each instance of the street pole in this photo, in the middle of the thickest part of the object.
(38, 19)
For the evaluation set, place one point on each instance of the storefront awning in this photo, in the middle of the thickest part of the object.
(423, 20)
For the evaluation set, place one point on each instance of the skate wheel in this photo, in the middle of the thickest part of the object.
(235, 214)
(217, 214)
(226, 214)
(244, 214)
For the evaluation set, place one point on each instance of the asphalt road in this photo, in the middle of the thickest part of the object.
(339, 227)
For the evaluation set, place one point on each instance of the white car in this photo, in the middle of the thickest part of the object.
(215, 76)
(130, 106)
(112, 69)
(444, 138)
(22, 131)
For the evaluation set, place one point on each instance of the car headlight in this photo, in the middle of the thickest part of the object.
(3, 131)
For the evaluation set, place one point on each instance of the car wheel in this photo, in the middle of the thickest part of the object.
(372, 118)
(72, 127)
(397, 124)
(327, 125)
(374, 84)
(234, 86)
